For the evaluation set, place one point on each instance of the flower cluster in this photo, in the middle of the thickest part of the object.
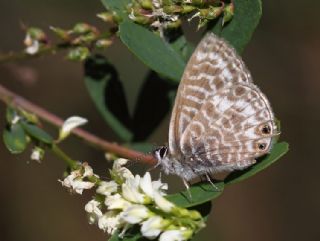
(128, 200)
(81, 178)
(161, 15)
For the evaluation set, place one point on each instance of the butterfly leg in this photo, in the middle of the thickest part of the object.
(209, 179)
(187, 185)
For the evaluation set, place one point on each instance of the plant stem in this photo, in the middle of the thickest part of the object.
(70, 162)
(13, 99)
(13, 56)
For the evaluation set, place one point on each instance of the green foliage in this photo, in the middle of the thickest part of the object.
(166, 58)
(278, 150)
(36, 133)
(239, 30)
(197, 194)
(118, 6)
(152, 50)
(106, 90)
(15, 138)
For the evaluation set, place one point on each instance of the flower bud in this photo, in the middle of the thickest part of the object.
(81, 28)
(78, 54)
(70, 124)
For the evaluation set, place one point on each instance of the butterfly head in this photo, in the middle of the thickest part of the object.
(164, 159)
(170, 164)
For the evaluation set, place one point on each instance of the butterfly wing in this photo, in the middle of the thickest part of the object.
(211, 67)
(231, 129)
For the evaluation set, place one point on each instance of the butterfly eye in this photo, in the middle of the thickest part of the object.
(163, 151)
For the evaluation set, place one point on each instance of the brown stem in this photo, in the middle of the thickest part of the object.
(17, 101)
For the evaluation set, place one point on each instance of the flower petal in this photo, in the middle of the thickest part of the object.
(146, 185)
(110, 222)
(163, 203)
(69, 124)
(130, 190)
(116, 202)
(107, 188)
(172, 235)
(152, 227)
(135, 214)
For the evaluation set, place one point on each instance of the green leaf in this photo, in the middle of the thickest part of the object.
(15, 138)
(37, 133)
(200, 193)
(106, 91)
(183, 47)
(10, 114)
(141, 146)
(149, 114)
(239, 30)
(152, 50)
(119, 6)
(278, 150)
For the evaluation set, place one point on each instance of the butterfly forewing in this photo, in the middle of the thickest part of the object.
(212, 66)
(220, 120)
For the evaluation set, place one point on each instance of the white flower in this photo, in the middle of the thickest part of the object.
(107, 188)
(78, 185)
(93, 209)
(70, 124)
(152, 227)
(146, 185)
(88, 171)
(119, 163)
(151, 187)
(160, 187)
(37, 154)
(135, 214)
(34, 48)
(75, 182)
(120, 173)
(176, 235)
(131, 192)
(163, 203)
(33, 45)
(110, 222)
(116, 202)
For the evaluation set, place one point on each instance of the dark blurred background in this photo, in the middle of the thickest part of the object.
(281, 203)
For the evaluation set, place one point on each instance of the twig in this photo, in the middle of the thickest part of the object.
(14, 56)
(17, 101)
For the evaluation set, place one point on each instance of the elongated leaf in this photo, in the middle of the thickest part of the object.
(239, 30)
(107, 93)
(119, 6)
(37, 133)
(200, 193)
(183, 47)
(141, 146)
(152, 105)
(278, 150)
(152, 50)
(15, 138)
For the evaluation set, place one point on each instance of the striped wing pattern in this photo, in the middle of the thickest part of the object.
(220, 120)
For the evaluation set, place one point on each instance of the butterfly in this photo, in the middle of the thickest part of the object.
(220, 121)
